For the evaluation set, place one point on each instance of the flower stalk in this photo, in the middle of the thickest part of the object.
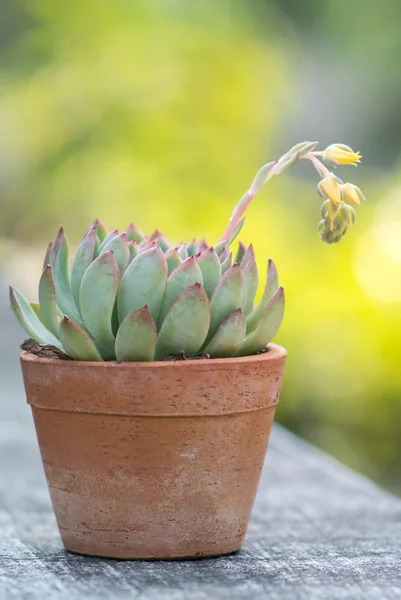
(330, 187)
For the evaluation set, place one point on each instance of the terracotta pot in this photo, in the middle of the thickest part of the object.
(153, 460)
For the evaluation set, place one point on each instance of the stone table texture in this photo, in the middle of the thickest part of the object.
(318, 530)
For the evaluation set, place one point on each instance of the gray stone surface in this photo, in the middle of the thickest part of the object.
(318, 530)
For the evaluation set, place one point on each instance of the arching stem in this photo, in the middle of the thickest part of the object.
(274, 168)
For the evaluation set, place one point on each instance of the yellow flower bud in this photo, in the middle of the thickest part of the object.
(348, 214)
(330, 188)
(351, 194)
(339, 154)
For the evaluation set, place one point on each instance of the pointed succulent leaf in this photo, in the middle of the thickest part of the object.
(173, 259)
(226, 264)
(267, 327)
(223, 255)
(186, 324)
(76, 342)
(202, 245)
(308, 147)
(261, 178)
(47, 301)
(136, 337)
(94, 226)
(303, 148)
(154, 235)
(119, 245)
(110, 236)
(183, 252)
(29, 319)
(186, 274)
(192, 248)
(61, 275)
(227, 297)
(251, 280)
(271, 288)
(36, 309)
(133, 249)
(228, 337)
(143, 283)
(163, 242)
(50, 255)
(160, 240)
(220, 247)
(210, 266)
(97, 296)
(240, 253)
(249, 254)
(287, 162)
(146, 245)
(101, 230)
(133, 233)
(47, 255)
(82, 259)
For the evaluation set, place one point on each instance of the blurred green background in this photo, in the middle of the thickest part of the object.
(161, 112)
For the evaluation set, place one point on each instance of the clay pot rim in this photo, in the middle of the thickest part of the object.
(274, 352)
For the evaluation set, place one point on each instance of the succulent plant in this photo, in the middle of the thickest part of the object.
(131, 297)
(135, 298)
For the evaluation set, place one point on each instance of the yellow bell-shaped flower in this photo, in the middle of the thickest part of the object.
(351, 193)
(329, 188)
(339, 154)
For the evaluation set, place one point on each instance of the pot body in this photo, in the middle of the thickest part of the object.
(153, 460)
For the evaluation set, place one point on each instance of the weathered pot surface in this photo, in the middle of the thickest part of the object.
(153, 460)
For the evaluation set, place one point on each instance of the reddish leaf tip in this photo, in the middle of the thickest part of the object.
(278, 294)
(208, 251)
